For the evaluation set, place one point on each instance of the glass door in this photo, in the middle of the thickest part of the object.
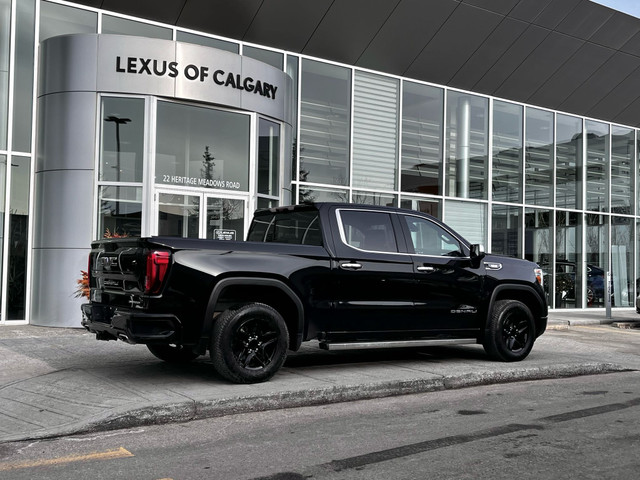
(200, 215)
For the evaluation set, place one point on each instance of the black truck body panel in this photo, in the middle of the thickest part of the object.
(325, 280)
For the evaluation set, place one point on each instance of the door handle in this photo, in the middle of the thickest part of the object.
(350, 266)
(426, 269)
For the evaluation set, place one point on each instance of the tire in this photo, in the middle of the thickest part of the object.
(172, 353)
(511, 331)
(249, 345)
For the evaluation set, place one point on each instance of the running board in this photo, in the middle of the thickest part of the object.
(397, 344)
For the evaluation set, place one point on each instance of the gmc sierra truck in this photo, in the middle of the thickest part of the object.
(349, 276)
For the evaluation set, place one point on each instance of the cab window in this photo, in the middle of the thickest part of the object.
(370, 231)
(428, 238)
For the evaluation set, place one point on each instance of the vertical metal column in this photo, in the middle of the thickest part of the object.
(463, 140)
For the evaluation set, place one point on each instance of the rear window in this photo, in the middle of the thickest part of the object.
(299, 228)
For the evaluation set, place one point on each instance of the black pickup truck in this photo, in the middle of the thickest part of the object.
(349, 276)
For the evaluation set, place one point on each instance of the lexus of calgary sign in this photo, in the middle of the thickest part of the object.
(160, 68)
(121, 64)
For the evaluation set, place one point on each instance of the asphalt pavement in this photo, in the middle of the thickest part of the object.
(61, 381)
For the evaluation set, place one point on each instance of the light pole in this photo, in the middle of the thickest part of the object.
(118, 121)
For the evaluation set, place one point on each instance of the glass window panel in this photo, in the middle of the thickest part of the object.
(23, 75)
(5, 44)
(506, 230)
(597, 240)
(226, 214)
(468, 219)
(538, 243)
(539, 157)
(568, 262)
(122, 139)
(275, 59)
(425, 205)
(325, 117)
(268, 157)
(622, 245)
(202, 147)
(375, 132)
(207, 41)
(568, 162)
(298, 228)
(371, 231)
(120, 211)
(622, 168)
(310, 194)
(292, 71)
(427, 238)
(507, 152)
(3, 182)
(18, 229)
(61, 20)
(422, 124)
(267, 203)
(371, 198)
(467, 145)
(597, 135)
(123, 26)
(179, 215)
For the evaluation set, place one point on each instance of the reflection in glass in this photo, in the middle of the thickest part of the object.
(268, 157)
(539, 157)
(568, 162)
(202, 147)
(425, 205)
(375, 131)
(3, 182)
(506, 230)
(275, 59)
(467, 145)
(422, 124)
(62, 20)
(5, 45)
(538, 244)
(123, 26)
(225, 219)
(18, 239)
(622, 245)
(507, 152)
(568, 262)
(596, 244)
(207, 41)
(120, 211)
(597, 166)
(178, 215)
(371, 198)
(292, 71)
(468, 219)
(122, 139)
(325, 117)
(319, 194)
(622, 168)
(23, 75)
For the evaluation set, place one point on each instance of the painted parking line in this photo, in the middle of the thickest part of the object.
(106, 455)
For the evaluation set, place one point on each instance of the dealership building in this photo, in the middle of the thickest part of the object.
(514, 121)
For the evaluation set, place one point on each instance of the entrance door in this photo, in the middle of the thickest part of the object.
(200, 215)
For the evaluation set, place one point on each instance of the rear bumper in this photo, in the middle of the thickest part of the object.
(111, 323)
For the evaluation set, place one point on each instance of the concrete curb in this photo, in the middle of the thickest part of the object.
(189, 410)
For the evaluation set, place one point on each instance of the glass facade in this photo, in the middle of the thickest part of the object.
(551, 187)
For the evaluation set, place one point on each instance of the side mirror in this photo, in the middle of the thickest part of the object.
(477, 253)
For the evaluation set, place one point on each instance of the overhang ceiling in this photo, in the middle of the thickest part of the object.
(574, 56)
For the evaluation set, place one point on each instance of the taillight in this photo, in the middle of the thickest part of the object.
(157, 266)
(539, 277)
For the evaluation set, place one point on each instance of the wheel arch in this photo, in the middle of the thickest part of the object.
(525, 294)
(237, 291)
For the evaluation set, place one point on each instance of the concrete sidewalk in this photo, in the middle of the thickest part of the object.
(62, 381)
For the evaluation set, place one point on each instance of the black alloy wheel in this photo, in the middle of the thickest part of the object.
(249, 345)
(511, 331)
